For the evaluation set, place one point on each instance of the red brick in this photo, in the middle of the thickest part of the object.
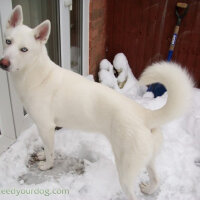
(97, 34)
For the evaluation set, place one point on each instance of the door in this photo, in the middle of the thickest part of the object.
(68, 46)
(7, 127)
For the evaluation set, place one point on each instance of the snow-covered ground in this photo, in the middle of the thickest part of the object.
(84, 163)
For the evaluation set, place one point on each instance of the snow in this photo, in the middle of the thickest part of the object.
(192, 119)
(125, 82)
(106, 74)
(84, 162)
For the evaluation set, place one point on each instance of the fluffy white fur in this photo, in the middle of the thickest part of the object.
(54, 97)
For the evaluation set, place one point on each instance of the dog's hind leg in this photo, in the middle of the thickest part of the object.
(129, 174)
(47, 135)
(132, 145)
(151, 187)
(127, 181)
(129, 167)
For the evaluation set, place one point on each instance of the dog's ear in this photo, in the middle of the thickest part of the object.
(16, 17)
(42, 31)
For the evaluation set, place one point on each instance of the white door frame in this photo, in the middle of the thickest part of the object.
(8, 133)
(65, 34)
(65, 7)
(21, 121)
(85, 39)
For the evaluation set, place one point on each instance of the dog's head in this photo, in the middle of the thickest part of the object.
(22, 44)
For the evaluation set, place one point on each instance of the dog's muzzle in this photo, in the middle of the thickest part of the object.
(4, 64)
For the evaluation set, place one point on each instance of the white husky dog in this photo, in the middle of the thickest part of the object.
(54, 97)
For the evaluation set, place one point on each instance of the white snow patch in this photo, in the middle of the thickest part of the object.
(106, 74)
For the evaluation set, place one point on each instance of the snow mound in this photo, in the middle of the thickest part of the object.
(125, 82)
(106, 74)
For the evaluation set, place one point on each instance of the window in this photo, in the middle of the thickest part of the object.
(65, 42)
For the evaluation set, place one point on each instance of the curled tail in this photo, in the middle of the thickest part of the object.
(179, 86)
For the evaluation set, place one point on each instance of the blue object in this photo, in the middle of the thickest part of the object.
(169, 57)
(157, 89)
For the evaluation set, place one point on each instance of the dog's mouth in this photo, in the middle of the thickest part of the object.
(5, 68)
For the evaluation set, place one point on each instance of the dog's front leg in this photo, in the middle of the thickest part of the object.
(47, 135)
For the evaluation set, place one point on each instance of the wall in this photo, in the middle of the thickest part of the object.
(143, 30)
(97, 34)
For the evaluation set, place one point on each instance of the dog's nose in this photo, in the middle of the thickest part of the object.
(4, 63)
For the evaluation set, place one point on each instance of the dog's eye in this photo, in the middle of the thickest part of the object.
(24, 49)
(8, 42)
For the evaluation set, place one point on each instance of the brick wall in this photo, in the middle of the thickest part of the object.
(97, 34)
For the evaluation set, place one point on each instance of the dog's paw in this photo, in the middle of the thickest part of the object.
(148, 188)
(41, 155)
(43, 165)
